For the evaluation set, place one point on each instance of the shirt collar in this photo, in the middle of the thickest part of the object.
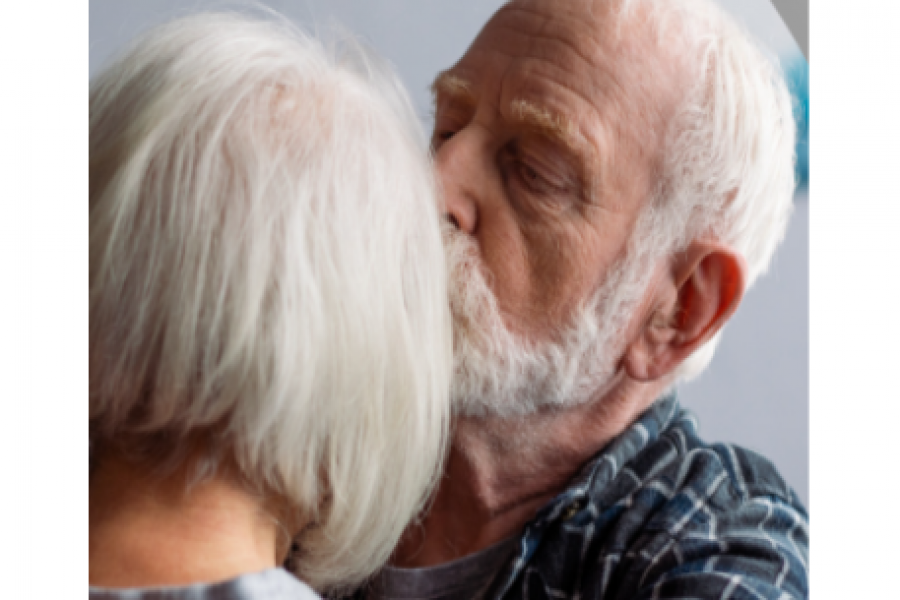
(603, 466)
(592, 480)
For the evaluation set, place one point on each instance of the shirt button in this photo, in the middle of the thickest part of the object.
(572, 511)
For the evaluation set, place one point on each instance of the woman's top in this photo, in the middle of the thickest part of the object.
(275, 584)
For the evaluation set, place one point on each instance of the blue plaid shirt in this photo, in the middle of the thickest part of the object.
(658, 513)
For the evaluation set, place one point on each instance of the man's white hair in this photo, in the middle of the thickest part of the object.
(267, 281)
(728, 155)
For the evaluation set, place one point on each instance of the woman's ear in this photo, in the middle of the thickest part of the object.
(698, 293)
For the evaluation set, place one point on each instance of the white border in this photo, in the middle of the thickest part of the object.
(854, 289)
(44, 297)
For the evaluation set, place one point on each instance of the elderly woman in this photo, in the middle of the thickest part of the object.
(269, 332)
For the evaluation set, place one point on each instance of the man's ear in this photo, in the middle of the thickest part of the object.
(699, 291)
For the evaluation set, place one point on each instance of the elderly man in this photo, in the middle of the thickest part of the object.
(617, 174)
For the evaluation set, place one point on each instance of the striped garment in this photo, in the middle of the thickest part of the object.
(660, 514)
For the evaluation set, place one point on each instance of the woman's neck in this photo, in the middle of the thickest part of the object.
(147, 532)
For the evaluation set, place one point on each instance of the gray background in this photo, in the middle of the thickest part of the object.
(756, 391)
(795, 14)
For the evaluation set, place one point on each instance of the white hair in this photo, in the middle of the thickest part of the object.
(728, 156)
(267, 281)
(727, 173)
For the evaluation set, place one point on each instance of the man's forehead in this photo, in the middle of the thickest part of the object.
(571, 29)
(545, 50)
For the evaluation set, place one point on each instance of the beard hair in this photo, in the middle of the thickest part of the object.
(498, 373)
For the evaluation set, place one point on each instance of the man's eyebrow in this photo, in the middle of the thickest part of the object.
(551, 124)
(453, 87)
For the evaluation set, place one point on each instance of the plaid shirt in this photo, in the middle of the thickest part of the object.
(658, 513)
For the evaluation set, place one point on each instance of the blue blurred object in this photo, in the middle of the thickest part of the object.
(796, 72)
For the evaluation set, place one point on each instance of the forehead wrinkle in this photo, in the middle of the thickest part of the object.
(566, 38)
(510, 42)
(592, 71)
(552, 30)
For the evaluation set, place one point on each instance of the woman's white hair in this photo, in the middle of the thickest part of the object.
(728, 156)
(267, 282)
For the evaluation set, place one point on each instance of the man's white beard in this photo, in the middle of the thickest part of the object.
(496, 372)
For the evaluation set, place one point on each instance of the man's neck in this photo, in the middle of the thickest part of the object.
(502, 471)
(149, 533)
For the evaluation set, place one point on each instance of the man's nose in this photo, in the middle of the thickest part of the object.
(457, 162)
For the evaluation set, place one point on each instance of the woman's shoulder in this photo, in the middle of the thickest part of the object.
(275, 584)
